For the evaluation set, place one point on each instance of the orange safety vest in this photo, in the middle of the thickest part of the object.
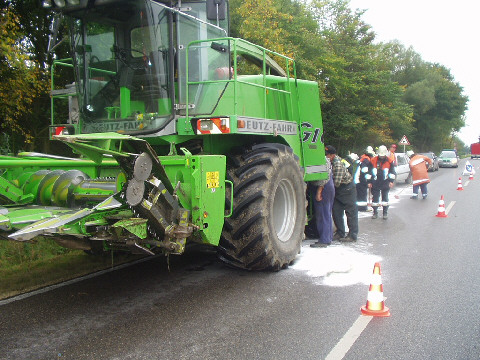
(418, 166)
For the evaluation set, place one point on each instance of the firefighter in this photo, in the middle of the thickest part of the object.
(362, 176)
(419, 167)
(383, 177)
(391, 154)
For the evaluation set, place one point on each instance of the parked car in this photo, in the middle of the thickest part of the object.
(448, 158)
(434, 166)
(454, 150)
(403, 169)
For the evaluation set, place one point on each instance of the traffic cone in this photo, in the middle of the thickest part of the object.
(470, 177)
(459, 187)
(375, 304)
(441, 208)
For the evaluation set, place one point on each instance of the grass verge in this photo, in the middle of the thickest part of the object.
(28, 266)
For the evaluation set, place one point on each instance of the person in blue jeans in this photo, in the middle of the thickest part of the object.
(323, 196)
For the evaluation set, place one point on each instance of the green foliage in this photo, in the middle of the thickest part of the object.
(437, 100)
(4, 144)
(362, 104)
(29, 266)
(16, 253)
(24, 85)
(283, 26)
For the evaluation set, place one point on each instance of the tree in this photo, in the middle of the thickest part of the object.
(438, 101)
(362, 104)
(23, 84)
(30, 38)
(283, 26)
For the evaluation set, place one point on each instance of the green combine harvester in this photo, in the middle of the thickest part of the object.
(180, 133)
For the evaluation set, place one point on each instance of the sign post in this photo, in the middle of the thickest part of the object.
(404, 141)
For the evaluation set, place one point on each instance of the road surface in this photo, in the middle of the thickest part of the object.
(203, 309)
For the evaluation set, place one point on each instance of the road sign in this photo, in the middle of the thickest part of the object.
(404, 141)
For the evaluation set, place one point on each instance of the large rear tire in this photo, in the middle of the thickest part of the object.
(266, 228)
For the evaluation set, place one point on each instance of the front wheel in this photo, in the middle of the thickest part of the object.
(267, 225)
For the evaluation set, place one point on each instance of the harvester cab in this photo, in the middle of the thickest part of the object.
(183, 134)
(130, 62)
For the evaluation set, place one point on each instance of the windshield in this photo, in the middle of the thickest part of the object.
(448, 154)
(124, 67)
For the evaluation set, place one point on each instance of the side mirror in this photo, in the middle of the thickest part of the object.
(216, 10)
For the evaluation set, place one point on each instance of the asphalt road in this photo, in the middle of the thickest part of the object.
(202, 309)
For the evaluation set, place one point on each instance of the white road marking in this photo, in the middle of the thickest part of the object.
(346, 342)
(449, 207)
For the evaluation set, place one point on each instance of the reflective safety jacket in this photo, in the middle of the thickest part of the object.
(391, 156)
(351, 165)
(383, 172)
(418, 166)
(363, 174)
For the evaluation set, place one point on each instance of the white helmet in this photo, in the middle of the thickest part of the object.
(382, 150)
(353, 156)
(410, 153)
(369, 150)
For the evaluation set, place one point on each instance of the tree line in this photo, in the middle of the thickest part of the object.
(372, 93)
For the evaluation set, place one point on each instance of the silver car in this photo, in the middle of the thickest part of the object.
(448, 159)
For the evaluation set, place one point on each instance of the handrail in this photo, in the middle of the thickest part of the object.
(237, 47)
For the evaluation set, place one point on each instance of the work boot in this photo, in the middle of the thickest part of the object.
(375, 212)
(414, 197)
(319, 244)
(348, 239)
(424, 196)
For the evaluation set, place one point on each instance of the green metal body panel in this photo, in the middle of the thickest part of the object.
(202, 190)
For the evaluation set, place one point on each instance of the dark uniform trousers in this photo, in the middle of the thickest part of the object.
(362, 196)
(346, 200)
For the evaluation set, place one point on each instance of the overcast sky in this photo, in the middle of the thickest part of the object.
(444, 32)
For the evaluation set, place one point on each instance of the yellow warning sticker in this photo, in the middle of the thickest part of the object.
(213, 179)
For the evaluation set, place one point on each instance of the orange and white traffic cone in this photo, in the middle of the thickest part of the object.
(375, 303)
(459, 187)
(441, 208)
(471, 176)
